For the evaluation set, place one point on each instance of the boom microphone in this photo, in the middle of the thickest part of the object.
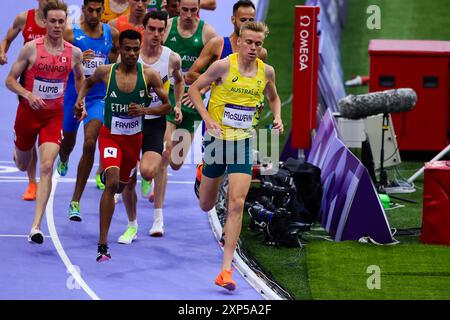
(389, 101)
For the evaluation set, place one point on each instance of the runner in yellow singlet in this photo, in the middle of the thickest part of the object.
(238, 84)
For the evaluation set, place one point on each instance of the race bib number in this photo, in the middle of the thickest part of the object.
(89, 66)
(110, 152)
(238, 117)
(126, 126)
(48, 89)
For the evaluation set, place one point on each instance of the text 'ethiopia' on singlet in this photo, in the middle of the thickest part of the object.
(101, 48)
(162, 67)
(234, 102)
(31, 30)
(47, 78)
(116, 115)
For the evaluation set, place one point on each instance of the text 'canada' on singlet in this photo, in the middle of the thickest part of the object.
(161, 66)
(116, 115)
(234, 102)
(47, 78)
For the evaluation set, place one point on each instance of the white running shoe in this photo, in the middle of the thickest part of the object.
(157, 229)
(116, 197)
(36, 236)
(128, 236)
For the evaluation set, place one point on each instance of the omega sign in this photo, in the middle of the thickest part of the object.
(305, 22)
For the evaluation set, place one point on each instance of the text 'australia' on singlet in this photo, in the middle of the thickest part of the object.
(234, 102)
(123, 24)
(116, 115)
(109, 15)
(47, 78)
(161, 66)
(31, 30)
(101, 47)
(190, 48)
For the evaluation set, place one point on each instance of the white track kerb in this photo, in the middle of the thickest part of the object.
(57, 243)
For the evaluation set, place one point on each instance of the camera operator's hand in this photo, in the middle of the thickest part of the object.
(278, 124)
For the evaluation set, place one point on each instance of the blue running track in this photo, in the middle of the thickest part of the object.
(182, 265)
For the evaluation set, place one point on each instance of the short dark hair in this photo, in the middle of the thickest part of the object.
(159, 15)
(243, 3)
(129, 34)
(85, 2)
(54, 5)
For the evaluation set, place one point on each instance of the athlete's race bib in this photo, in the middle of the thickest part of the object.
(126, 126)
(238, 117)
(89, 66)
(48, 89)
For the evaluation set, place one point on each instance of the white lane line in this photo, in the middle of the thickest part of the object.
(57, 243)
(17, 236)
(72, 180)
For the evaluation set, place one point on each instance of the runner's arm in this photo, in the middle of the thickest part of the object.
(18, 68)
(273, 98)
(100, 74)
(154, 82)
(208, 4)
(114, 53)
(214, 74)
(175, 62)
(209, 54)
(208, 33)
(78, 73)
(12, 33)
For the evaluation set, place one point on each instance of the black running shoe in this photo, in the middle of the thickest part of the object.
(222, 240)
(36, 236)
(103, 177)
(103, 253)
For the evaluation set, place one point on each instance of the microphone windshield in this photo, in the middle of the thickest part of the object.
(389, 101)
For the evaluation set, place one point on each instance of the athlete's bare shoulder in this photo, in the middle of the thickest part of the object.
(174, 60)
(20, 20)
(208, 33)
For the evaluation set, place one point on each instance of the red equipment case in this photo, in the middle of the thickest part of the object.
(424, 67)
(436, 203)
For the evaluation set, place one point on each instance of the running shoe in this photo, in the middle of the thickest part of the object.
(128, 236)
(36, 236)
(222, 240)
(116, 197)
(74, 211)
(224, 280)
(62, 167)
(99, 183)
(157, 229)
(198, 179)
(103, 253)
(151, 197)
(30, 193)
(146, 187)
